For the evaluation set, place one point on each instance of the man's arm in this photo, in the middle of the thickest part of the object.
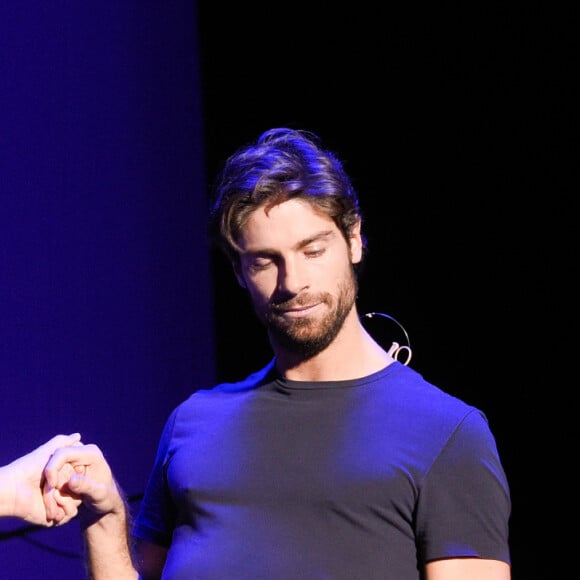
(106, 537)
(472, 568)
(104, 514)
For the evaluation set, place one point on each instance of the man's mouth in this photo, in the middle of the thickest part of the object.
(298, 311)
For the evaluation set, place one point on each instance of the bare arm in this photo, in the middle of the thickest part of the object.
(104, 516)
(472, 568)
(106, 537)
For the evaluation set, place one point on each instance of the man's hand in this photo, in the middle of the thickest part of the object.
(82, 472)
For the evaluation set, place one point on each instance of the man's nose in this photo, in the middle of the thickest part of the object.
(292, 277)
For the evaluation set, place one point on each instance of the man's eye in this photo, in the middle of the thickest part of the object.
(260, 264)
(314, 252)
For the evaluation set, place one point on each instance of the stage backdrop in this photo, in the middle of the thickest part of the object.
(105, 301)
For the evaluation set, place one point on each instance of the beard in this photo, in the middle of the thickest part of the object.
(307, 337)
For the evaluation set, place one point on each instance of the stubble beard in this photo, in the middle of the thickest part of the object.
(307, 337)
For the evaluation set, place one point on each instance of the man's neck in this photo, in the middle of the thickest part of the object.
(353, 354)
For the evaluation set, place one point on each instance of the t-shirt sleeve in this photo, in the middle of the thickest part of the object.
(464, 503)
(155, 518)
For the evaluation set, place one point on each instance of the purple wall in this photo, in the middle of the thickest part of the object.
(105, 302)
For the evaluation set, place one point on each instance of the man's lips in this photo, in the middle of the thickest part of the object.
(297, 311)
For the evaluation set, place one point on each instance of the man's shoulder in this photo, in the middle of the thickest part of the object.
(421, 394)
(249, 383)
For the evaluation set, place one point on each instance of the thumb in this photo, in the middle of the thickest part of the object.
(94, 495)
(79, 484)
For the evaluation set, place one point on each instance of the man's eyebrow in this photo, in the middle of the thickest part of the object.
(319, 237)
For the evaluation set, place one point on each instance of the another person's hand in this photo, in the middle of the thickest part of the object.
(22, 485)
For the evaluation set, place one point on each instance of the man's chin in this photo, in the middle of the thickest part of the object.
(305, 344)
(299, 330)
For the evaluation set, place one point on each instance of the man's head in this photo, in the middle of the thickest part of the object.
(286, 214)
(282, 164)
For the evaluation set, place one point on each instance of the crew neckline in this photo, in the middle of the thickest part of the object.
(292, 384)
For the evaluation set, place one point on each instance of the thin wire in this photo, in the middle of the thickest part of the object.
(395, 347)
(27, 530)
(371, 314)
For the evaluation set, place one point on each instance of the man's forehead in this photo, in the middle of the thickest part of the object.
(291, 223)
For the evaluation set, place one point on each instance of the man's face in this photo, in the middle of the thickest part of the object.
(298, 269)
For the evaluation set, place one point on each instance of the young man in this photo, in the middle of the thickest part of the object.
(335, 461)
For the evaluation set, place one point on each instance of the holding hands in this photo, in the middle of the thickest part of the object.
(23, 490)
(47, 486)
(81, 473)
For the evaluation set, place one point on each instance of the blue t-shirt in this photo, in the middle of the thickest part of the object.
(274, 479)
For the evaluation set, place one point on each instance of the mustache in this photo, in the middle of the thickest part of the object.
(297, 302)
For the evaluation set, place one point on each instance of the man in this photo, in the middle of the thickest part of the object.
(335, 461)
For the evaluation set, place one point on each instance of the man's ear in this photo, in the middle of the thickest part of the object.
(356, 243)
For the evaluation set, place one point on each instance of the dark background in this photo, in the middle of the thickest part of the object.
(454, 125)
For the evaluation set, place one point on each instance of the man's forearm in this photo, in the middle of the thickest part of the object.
(107, 545)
